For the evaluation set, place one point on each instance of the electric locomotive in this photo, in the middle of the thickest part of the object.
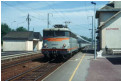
(59, 41)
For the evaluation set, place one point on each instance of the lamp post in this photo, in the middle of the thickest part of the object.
(92, 31)
(94, 28)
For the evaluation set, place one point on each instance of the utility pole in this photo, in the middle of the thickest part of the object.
(28, 21)
(92, 31)
(48, 21)
(66, 23)
(94, 28)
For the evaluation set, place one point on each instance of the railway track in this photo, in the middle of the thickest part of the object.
(18, 55)
(36, 73)
(14, 64)
(18, 62)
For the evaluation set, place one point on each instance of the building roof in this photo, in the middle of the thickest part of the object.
(110, 7)
(37, 35)
(110, 19)
(28, 35)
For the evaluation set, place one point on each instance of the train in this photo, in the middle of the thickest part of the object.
(60, 41)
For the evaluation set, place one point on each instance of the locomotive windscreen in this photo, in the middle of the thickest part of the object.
(55, 33)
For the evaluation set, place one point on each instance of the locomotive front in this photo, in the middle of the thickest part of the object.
(55, 42)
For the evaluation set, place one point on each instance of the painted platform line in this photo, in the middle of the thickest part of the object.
(65, 71)
(76, 68)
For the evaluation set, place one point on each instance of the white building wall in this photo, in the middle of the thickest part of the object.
(105, 16)
(111, 34)
(29, 45)
(103, 39)
(12, 45)
(117, 4)
(39, 45)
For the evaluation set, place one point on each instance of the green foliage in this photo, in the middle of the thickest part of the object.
(21, 29)
(4, 30)
(13, 30)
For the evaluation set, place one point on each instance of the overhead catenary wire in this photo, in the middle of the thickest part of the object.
(12, 6)
(29, 8)
(34, 12)
(20, 10)
(39, 14)
(62, 15)
(16, 8)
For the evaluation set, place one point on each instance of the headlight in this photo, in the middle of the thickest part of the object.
(64, 45)
(45, 45)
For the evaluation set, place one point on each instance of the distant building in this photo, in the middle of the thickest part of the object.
(22, 41)
(109, 26)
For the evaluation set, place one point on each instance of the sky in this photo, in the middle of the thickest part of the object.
(14, 13)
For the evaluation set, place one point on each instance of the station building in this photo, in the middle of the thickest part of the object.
(22, 41)
(109, 27)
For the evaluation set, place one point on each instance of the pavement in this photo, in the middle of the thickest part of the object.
(105, 69)
(75, 69)
(83, 67)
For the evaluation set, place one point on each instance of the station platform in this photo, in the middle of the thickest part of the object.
(17, 52)
(14, 55)
(105, 69)
(83, 67)
(75, 69)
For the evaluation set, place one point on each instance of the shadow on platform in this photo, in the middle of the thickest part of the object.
(88, 51)
(115, 60)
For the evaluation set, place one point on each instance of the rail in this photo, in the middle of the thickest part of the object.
(18, 63)
(35, 73)
(17, 55)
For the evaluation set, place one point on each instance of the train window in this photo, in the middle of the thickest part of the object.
(61, 33)
(55, 33)
(67, 34)
(48, 33)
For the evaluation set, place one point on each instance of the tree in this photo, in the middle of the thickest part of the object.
(13, 30)
(21, 29)
(4, 30)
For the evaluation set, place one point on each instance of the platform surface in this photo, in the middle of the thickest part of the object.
(105, 69)
(75, 69)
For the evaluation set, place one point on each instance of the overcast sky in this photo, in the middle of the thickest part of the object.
(14, 13)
